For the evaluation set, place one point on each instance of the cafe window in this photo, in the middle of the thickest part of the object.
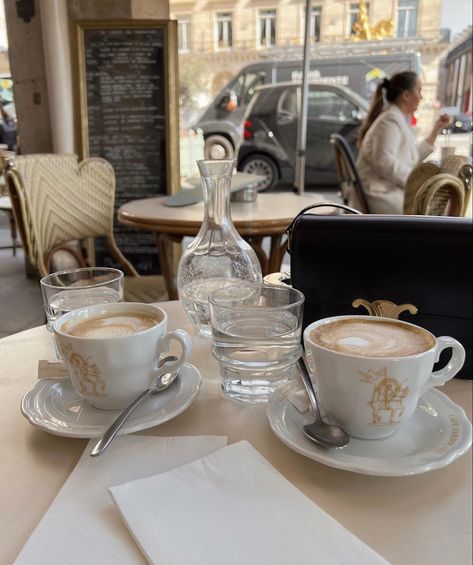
(183, 33)
(267, 28)
(407, 18)
(224, 30)
(353, 11)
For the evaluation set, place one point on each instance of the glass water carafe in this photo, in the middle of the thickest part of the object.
(218, 256)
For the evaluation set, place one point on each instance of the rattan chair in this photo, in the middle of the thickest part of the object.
(57, 201)
(431, 192)
(349, 179)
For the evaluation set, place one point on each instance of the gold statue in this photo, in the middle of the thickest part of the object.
(364, 31)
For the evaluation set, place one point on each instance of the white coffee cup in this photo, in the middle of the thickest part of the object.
(372, 396)
(110, 370)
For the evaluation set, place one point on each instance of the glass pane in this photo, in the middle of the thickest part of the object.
(326, 105)
(252, 81)
(401, 23)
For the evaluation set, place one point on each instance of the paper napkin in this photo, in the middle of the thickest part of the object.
(82, 524)
(232, 507)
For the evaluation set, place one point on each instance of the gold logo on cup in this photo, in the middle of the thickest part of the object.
(387, 400)
(85, 371)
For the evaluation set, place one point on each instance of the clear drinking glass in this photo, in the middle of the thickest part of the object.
(218, 256)
(256, 332)
(74, 288)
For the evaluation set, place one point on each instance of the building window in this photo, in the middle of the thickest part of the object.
(267, 28)
(224, 30)
(183, 33)
(315, 19)
(407, 18)
(353, 11)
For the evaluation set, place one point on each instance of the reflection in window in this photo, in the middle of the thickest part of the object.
(224, 30)
(407, 18)
(353, 11)
(326, 105)
(183, 33)
(267, 28)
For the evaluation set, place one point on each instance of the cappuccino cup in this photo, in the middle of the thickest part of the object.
(111, 351)
(370, 372)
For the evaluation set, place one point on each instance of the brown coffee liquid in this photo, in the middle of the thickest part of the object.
(372, 338)
(111, 325)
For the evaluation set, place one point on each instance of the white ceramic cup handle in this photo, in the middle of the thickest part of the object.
(439, 378)
(186, 344)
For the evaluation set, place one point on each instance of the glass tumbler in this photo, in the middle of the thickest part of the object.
(256, 338)
(68, 290)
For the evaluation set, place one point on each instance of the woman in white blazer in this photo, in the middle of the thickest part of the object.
(388, 151)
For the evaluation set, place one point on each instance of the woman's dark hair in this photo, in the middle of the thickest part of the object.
(393, 87)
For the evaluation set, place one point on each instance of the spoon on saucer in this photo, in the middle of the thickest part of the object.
(162, 383)
(325, 435)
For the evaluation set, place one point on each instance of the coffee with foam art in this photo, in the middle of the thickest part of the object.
(372, 338)
(111, 325)
(370, 372)
(112, 351)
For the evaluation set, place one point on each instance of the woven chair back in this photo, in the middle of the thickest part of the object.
(350, 182)
(440, 195)
(61, 200)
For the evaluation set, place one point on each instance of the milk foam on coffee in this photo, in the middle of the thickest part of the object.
(111, 325)
(372, 338)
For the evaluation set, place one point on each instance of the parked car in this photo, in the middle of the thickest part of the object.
(222, 119)
(269, 137)
(461, 122)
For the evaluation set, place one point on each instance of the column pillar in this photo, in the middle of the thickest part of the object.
(55, 26)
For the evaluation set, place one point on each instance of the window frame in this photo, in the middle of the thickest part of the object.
(268, 19)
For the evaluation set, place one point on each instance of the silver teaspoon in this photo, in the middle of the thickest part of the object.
(326, 435)
(162, 383)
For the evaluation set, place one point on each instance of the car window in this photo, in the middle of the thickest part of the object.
(252, 80)
(327, 105)
(245, 85)
(288, 101)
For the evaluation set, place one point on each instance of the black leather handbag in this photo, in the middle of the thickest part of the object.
(417, 268)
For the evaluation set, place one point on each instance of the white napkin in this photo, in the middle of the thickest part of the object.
(232, 507)
(82, 524)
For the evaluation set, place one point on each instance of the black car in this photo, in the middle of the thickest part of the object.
(269, 139)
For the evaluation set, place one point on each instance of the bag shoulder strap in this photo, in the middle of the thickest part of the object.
(312, 207)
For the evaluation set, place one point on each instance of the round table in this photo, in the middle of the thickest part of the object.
(418, 519)
(268, 216)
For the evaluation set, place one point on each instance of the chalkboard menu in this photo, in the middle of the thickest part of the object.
(127, 82)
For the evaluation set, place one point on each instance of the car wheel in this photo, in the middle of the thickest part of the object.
(218, 147)
(262, 165)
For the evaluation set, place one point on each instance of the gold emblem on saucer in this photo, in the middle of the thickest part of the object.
(384, 308)
(85, 371)
(387, 401)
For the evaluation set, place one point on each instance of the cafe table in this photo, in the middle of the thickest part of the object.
(267, 216)
(417, 519)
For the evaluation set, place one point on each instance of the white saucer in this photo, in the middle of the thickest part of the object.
(53, 405)
(438, 433)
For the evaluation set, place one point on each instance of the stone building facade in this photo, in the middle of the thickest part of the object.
(218, 37)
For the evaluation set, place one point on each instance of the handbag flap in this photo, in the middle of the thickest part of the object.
(425, 261)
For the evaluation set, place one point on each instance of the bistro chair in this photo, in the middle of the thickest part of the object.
(58, 203)
(350, 182)
(431, 192)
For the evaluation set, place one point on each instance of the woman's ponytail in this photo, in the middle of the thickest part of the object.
(377, 103)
